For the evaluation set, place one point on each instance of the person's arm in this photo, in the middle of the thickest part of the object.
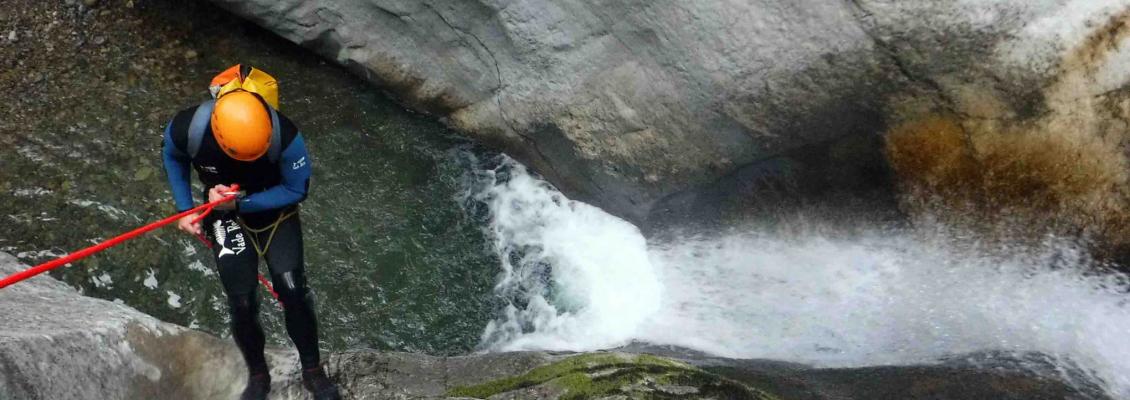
(177, 167)
(294, 164)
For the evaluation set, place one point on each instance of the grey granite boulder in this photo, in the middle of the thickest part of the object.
(57, 344)
(643, 107)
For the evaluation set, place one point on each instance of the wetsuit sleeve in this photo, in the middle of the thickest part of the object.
(177, 169)
(294, 164)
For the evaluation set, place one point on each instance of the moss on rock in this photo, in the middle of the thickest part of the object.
(607, 374)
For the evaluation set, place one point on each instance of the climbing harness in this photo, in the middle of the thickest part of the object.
(273, 227)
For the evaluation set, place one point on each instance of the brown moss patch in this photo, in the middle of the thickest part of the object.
(1102, 42)
(1025, 183)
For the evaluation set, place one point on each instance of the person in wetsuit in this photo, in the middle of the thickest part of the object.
(240, 138)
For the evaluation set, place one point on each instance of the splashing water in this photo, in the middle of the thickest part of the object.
(579, 279)
(575, 271)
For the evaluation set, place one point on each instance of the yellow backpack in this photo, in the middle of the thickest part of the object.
(245, 77)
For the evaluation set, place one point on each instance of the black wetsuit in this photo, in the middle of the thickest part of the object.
(274, 188)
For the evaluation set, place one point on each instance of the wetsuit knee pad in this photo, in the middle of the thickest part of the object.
(291, 287)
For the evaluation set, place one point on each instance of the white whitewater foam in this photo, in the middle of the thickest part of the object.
(583, 279)
(173, 300)
(579, 279)
(151, 279)
(103, 280)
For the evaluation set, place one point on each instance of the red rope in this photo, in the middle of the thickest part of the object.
(267, 284)
(78, 255)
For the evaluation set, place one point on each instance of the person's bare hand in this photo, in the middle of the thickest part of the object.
(218, 192)
(185, 224)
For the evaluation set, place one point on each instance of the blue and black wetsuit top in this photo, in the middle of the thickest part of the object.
(271, 185)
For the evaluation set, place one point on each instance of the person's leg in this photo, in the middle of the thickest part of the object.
(285, 260)
(238, 265)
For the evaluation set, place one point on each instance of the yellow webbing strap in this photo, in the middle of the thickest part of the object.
(273, 227)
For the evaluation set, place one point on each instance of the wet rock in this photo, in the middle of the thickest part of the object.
(144, 173)
(90, 3)
(12, 37)
(190, 54)
(677, 390)
(606, 375)
(977, 376)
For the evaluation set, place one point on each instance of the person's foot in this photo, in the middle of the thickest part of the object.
(258, 385)
(316, 381)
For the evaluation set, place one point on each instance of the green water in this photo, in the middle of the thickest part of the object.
(395, 261)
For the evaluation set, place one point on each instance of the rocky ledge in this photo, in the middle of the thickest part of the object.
(57, 344)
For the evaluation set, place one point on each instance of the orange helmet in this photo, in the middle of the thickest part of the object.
(242, 125)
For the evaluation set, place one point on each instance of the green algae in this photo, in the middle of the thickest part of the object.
(603, 374)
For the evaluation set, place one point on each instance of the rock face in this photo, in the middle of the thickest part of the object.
(58, 344)
(531, 375)
(630, 374)
(652, 107)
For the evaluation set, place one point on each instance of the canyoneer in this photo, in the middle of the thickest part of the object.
(240, 138)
